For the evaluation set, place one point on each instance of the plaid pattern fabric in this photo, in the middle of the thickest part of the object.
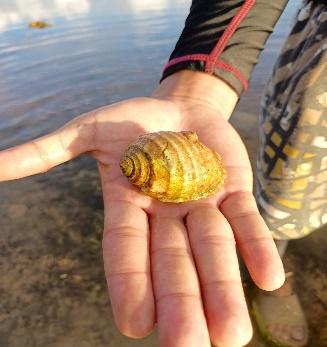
(292, 162)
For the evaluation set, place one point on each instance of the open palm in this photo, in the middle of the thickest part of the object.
(171, 264)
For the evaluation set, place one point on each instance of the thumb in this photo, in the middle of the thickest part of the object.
(44, 153)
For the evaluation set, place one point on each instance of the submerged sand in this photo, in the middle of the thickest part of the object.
(53, 292)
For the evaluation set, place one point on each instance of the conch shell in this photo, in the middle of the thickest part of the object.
(173, 166)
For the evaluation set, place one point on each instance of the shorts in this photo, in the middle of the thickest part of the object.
(292, 160)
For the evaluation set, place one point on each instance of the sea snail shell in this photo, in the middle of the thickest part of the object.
(173, 166)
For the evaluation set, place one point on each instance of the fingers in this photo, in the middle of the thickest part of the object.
(254, 240)
(127, 268)
(42, 154)
(213, 246)
(180, 315)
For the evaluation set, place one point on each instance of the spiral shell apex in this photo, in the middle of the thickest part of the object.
(173, 166)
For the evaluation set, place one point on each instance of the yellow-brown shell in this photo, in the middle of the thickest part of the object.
(173, 166)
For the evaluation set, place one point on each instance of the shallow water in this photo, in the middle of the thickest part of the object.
(95, 53)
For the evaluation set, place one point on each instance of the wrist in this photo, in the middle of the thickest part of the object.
(199, 88)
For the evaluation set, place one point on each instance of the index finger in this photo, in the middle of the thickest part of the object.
(46, 152)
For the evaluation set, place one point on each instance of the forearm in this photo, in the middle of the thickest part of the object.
(225, 38)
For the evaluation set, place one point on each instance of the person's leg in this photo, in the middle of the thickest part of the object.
(291, 166)
(292, 163)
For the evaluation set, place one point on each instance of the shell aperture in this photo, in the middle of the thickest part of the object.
(173, 166)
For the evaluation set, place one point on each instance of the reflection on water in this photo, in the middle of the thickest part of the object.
(95, 53)
(109, 51)
(16, 12)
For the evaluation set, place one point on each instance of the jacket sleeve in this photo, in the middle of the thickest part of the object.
(225, 38)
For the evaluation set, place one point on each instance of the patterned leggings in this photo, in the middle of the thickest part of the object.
(292, 162)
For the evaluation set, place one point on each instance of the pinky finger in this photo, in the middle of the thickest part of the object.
(254, 240)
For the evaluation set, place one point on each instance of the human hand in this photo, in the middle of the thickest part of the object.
(170, 264)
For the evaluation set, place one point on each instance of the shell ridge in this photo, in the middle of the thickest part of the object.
(218, 171)
(140, 170)
(131, 154)
(208, 167)
(149, 168)
(181, 159)
(187, 145)
(197, 174)
(165, 135)
(202, 167)
(190, 135)
(158, 164)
